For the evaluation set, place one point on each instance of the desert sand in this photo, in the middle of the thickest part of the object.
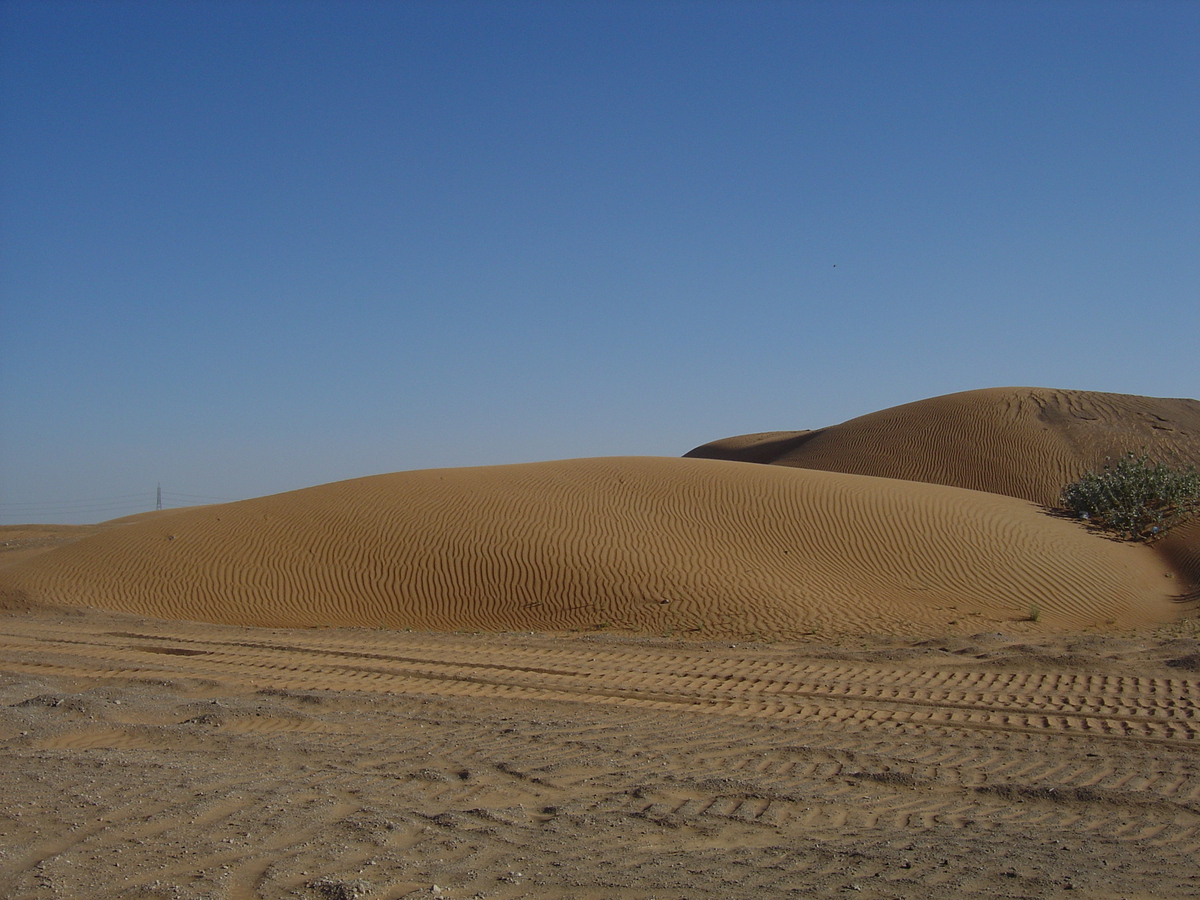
(1021, 442)
(863, 660)
(157, 759)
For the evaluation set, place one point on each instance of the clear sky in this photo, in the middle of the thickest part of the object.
(247, 247)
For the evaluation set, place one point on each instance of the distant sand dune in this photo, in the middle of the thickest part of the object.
(1022, 442)
(653, 544)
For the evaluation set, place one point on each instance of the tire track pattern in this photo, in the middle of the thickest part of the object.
(199, 761)
(1118, 707)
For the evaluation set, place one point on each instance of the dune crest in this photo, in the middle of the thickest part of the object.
(1022, 442)
(652, 544)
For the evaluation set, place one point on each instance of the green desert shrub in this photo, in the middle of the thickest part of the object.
(1135, 498)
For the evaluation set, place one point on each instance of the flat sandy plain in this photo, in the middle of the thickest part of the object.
(630, 678)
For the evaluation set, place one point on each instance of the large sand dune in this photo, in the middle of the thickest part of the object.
(652, 544)
(1023, 442)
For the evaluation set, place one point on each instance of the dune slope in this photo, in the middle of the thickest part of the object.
(1022, 442)
(653, 544)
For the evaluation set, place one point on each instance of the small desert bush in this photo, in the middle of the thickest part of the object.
(1135, 498)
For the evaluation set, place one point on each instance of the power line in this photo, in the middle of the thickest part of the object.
(118, 498)
(72, 508)
(199, 497)
(116, 504)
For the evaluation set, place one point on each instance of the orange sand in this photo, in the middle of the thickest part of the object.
(817, 545)
(1022, 442)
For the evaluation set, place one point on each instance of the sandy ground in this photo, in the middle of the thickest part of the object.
(156, 759)
(624, 677)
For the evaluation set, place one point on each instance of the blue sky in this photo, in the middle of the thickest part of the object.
(247, 247)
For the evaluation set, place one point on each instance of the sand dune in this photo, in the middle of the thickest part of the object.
(648, 544)
(1022, 442)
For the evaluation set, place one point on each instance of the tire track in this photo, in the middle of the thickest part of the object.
(192, 761)
(1149, 710)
